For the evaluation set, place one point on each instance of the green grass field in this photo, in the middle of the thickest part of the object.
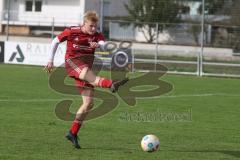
(29, 129)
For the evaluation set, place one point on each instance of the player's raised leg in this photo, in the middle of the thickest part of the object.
(88, 75)
(87, 98)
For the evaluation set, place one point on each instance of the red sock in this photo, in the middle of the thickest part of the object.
(75, 127)
(105, 83)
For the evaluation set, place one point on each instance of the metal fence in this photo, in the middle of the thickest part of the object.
(203, 41)
(181, 48)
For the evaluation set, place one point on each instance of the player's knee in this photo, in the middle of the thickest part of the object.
(96, 81)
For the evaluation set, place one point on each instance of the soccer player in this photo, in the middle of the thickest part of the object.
(81, 44)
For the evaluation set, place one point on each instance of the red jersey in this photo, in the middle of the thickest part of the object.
(78, 44)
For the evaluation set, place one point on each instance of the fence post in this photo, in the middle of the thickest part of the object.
(200, 56)
(8, 19)
(156, 53)
(101, 15)
(53, 23)
(133, 60)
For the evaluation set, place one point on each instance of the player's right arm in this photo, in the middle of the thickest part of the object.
(100, 42)
(54, 46)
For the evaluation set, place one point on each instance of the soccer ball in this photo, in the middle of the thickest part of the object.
(150, 143)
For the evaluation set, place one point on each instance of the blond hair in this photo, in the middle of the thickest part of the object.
(91, 16)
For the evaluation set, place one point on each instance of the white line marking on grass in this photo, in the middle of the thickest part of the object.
(30, 100)
(167, 96)
(200, 95)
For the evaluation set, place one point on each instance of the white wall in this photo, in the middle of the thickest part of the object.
(1, 8)
(64, 12)
(61, 7)
(1, 14)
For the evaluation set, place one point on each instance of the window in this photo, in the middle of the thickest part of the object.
(29, 6)
(33, 5)
(38, 6)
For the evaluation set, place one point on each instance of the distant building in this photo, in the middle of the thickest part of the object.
(26, 14)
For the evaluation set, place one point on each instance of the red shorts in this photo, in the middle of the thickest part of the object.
(74, 68)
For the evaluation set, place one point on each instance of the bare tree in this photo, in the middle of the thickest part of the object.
(146, 13)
